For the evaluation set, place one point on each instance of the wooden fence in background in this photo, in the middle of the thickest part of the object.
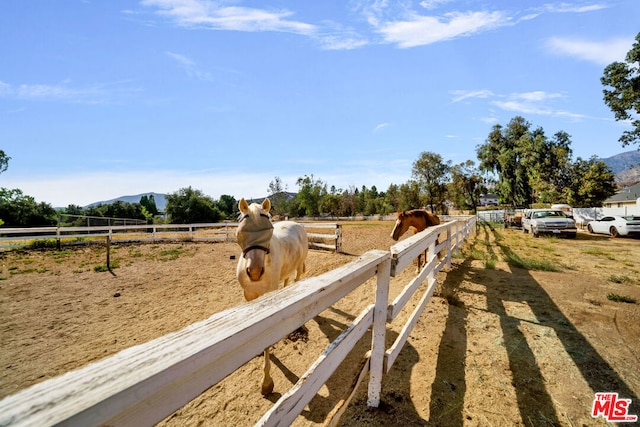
(321, 235)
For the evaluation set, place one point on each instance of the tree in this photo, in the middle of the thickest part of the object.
(278, 196)
(19, 210)
(409, 196)
(187, 206)
(590, 183)
(466, 186)
(228, 206)
(149, 203)
(310, 195)
(431, 174)
(507, 152)
(547, 162)
(623, 97)
(4, 161)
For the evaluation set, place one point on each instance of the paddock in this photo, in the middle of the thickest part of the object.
(464, 360)
(121, 386)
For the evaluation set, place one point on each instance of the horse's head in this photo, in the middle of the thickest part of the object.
(401, 227)
(254, 236)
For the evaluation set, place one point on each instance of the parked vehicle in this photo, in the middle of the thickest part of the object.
(568, 210)
(616, 226)
(549, 221)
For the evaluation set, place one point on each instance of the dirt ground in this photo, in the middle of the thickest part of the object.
(498, 345)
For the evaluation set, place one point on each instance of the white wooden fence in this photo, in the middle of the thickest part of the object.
(319, 238)
(144, 384)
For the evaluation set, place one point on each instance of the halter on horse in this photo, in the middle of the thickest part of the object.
(271, 253)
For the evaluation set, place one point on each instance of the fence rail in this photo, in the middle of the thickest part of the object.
(144, 384)
(206, 232)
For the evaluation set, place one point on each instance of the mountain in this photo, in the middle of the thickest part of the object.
(623, 161)
(160, 199)
(625, 166)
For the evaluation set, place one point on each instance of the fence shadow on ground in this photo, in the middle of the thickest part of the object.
(535, 403)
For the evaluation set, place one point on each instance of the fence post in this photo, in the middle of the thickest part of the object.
(376, 364)
(58, 245)
(449, 241)
(338, 238)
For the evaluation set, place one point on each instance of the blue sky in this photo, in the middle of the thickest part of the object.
(100, 99)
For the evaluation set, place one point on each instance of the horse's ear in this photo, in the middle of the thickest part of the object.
(266, 205)
(243, 206)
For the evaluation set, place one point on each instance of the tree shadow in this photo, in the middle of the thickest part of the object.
(535, 403)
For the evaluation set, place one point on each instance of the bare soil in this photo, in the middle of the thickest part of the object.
(497, 345)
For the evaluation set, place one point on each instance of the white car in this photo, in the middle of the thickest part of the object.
(549, 221)
(616, 226)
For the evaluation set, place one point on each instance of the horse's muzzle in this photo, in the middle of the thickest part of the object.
(254, 273)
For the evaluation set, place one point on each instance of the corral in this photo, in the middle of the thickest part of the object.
(84, 316)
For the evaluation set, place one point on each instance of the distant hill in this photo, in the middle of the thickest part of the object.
(160, 199)
(626, 166)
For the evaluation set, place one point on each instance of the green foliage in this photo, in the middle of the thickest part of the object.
(534, 169)
(508, 152)
(20, 210)
(619, 279)
(149, 204)
(590, 182)
(622, 92)
(42, 244)
(228, 206)
(188, 206)
(310, 193)
(432, 174)
(4, 161)
(466, 187)
(621, 298)
(530, 263)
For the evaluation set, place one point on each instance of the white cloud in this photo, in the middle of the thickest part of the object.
(433, 4)
(423, 30)
(190, 67)
(532, 102)
(599, 52)
(461, 95)
(380, 127)
(571, 8)
(98, 93)
(209, 14)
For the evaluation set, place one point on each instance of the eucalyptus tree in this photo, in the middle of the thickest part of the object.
(4, 161)
(505, 153)
(622, 92)
(466, 185)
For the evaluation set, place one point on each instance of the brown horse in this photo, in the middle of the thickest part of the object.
(419, 219)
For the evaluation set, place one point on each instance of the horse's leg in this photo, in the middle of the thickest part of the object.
(300, 271)
(267, 381)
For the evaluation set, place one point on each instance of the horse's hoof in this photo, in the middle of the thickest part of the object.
(267, 388)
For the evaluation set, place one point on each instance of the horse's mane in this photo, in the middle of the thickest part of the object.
(428, 216)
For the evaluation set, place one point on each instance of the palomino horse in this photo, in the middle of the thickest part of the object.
(270, 254)
(419, 219)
